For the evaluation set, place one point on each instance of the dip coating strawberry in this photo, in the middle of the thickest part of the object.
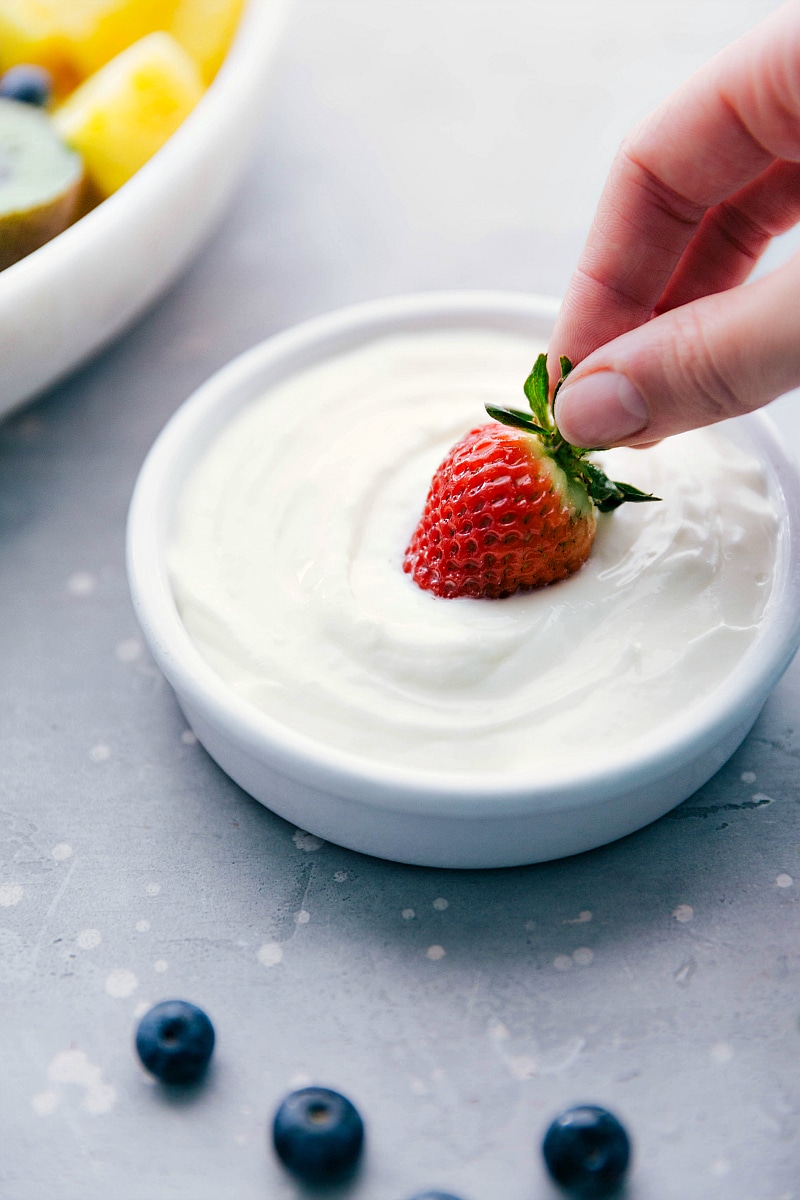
(513, 506)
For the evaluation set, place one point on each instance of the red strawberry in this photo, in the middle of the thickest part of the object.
(511, 508)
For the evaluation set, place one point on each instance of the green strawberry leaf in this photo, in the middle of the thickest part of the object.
(566, 367)
(607, 493)
(603, 491)
(537, 389)
(515, 418)
(634, 494)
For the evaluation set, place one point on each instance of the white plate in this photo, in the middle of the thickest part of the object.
(424, 817)
(73, 295)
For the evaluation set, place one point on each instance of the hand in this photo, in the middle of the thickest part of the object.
(665, 335)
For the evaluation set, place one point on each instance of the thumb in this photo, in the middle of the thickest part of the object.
(715, 358)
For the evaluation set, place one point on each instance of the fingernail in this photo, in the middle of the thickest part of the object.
(600, 409)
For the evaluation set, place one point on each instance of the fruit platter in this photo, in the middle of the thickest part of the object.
(124, 127)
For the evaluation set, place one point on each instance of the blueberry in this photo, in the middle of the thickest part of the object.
(318, 1135)
(587, 1151)
(28, 84)
(434, 1196)
(174, 1041)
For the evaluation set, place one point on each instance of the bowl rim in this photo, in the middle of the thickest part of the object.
(301, 757)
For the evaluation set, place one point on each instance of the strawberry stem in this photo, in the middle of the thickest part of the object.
(607, 494)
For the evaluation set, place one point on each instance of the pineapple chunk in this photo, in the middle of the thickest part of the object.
(30, 33)
(205, 29)
(73, 38)
(97, 30)
(125, 112)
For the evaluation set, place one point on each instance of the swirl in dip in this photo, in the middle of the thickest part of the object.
(286, 563)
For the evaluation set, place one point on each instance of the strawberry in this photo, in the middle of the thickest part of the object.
(513, 506)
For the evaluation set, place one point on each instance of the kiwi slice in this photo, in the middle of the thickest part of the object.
(40, 181)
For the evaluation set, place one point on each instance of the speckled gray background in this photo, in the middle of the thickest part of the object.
(424, 144)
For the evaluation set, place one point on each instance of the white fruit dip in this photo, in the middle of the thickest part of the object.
(286, 562)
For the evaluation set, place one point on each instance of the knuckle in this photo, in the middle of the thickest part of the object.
(740, 231)
(657, 194)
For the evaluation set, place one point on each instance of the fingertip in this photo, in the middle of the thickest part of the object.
(601, 409)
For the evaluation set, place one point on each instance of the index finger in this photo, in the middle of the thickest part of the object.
(718, 131)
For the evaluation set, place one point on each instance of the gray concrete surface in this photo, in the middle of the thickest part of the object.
(432, 143)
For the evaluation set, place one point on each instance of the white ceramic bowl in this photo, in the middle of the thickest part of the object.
(73, 295)
(437, 819)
